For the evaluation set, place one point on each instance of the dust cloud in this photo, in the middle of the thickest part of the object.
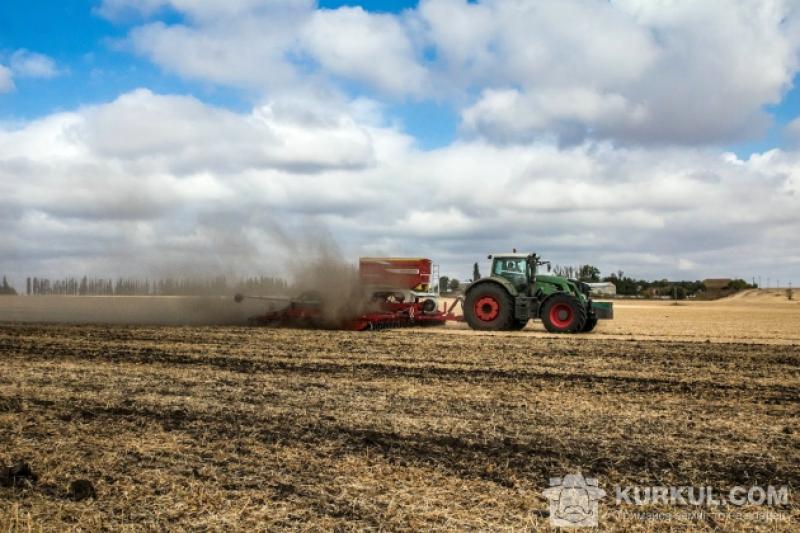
(332, 281)
(311, 262)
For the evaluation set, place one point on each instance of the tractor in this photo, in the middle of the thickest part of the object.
(516, 292)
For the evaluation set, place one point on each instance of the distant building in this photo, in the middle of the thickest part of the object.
(605, 288)
(717, 288)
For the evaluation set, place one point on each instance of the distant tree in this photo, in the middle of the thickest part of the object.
(589, 273)
(565, 271)
(28, 286)
(476, 272)
(790, 293)
(740, 284)
(454, 285)
(7, 289)
(444, 284)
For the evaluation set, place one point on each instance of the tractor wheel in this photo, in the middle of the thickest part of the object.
(591, 322)
(489, 307)
(564, 314)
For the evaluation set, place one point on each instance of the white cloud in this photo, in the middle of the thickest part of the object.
(25, 63)
(568, 115)
(148, 179)
(199, 10)
(535, 43)
(352, 43)
(278, 45)
(6, 79)
(245, 52)
(627, 70)
(792, 132)
(119, 9)
(680, 72)
(588, 133)
(181, 135)
(686, 265)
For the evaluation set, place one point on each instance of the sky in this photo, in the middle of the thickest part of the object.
(146, 137)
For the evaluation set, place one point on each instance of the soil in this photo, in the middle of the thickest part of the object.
(211, 427)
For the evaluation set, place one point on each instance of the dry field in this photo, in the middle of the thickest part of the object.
(755, 316)
(211, 427)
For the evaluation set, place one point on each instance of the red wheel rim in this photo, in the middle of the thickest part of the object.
(561, 316)
(487, 308)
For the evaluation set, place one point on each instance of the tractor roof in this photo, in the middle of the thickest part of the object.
(515, 255)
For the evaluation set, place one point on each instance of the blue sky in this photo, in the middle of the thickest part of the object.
(590, 131)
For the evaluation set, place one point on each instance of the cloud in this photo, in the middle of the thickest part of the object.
(508, 116)
(246, 52)
(636, 72)
(27, 64)
(791, 132)
(126, 186)
(589, 133)
(182, 135)
(6, 79)
(275, 45)
(198, 10)
(630, 71)
(356, 45)
(117, 10)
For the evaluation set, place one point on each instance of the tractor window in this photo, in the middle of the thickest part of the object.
(514, 269)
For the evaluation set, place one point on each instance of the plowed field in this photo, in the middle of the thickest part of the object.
(228, 427)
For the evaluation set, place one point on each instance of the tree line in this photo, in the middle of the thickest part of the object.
(626, 285)
(6, 289)
(629, 286)
(212, 286)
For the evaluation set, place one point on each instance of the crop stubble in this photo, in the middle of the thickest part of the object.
(224, 426)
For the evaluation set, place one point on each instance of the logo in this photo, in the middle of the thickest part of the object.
(573, 501)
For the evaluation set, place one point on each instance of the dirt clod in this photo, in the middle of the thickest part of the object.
(81, 489)
(18, 475)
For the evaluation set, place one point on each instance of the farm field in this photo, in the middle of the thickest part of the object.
(208, 427)
(754, 316)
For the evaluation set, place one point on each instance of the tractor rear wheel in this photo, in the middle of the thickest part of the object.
(489, 307)
(564, 313)
(591, 322)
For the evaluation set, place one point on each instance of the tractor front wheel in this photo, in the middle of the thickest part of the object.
(591, 322)
(489, 307)
(563, 313)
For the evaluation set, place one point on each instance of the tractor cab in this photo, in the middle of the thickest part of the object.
(519, 269)
(516, 268)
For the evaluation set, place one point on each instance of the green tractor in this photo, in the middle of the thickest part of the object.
(515, 292)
